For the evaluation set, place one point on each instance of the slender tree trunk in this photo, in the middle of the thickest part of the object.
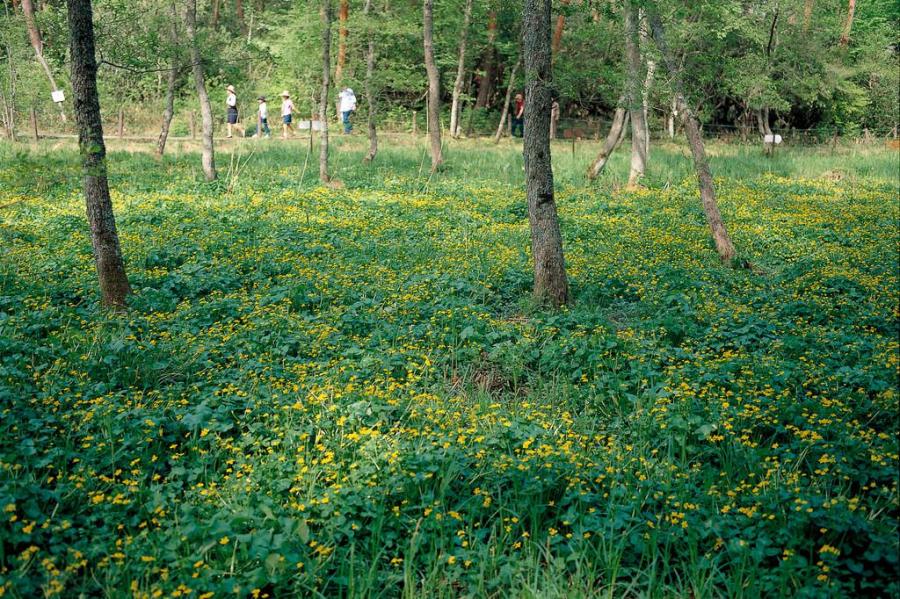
(509, 90)
(105, 240)
(645, 90)
(171, 83)
(370, 95)
(620, 119)
(434, 87)
(558, 31)
(692, 130)
(807, 13)
(460, 71)
(550, 282)
(239, 13)
(635, 107)
(343, 15)
(327, 18)
(34, 36)
(672, 114)
(486, 81)
(214, 19)
(208, 157)
(848, 23)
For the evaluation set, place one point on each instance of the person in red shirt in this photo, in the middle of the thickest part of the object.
(518, 120)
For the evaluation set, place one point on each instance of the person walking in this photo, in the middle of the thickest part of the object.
(518, 120)
(287, 111)
(347, 100)
(231, 108)
(263, 124)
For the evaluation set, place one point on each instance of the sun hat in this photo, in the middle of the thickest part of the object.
(285, 94)
(230, 88)
(261, 98)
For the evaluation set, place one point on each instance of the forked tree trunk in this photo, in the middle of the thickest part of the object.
(633, 95)
(327, 18)
(509, 90)
(105, 240)
(486, 81)
(762, 122)
(208, 157)
(434, 87)
(616, 130)
(692, 130)
(34, 36)
(848, 23)
(171, 83)
(370, 95)
(343, 15)
(460, 72)
(550, 282)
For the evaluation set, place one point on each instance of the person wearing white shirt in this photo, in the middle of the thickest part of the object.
(347, 101)
(287, 111)
(231, 106)
(263, 125)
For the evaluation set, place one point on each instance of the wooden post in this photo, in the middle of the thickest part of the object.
(121, 130)
(34, 126)
(193, 125)
(415, 123)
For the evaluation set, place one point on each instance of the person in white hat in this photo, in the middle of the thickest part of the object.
(231, 107)
(287, 110)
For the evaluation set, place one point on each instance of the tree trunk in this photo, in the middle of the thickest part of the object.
(34, 36)
(486, 81)
(460, 72)
(550, 282)
(434, 87)
(645, 90)
(672, 114)
(633, 95)
(172, 81)
(848, 23)
(807, 13)
(208, 157)
(554, 119)
(620, 118)
(692, 130)
(326, 85)
(343, 15)
(105, 240)
(214, 19)
(558, 31)
(239, 13)
(509, 90)
(370, 95)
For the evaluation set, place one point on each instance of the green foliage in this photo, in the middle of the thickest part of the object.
(349, 393)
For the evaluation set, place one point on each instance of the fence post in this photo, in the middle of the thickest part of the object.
(121, 129)
(34, 127)
(193, 125)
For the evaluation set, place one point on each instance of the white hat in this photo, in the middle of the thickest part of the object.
(230, 88)
(285, 94)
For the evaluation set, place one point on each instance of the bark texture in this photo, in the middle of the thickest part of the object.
(504, 115)
(171, 83)
(558, 31)
(114, 286)
(616, 130)
(327, 18)
(488, 65)
(633, 96)
(692, 130)
(460, 72)
(343, 15)
(550, 282)
(370, 94)
(434, 87)
(848, 23)
(207, 156)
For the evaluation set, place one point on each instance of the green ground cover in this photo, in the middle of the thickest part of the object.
(347, 392)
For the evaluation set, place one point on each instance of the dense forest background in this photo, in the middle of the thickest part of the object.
(821, 66)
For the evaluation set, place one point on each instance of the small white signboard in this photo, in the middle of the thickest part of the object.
(316, 125)
(772, 139)
(58, 96)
